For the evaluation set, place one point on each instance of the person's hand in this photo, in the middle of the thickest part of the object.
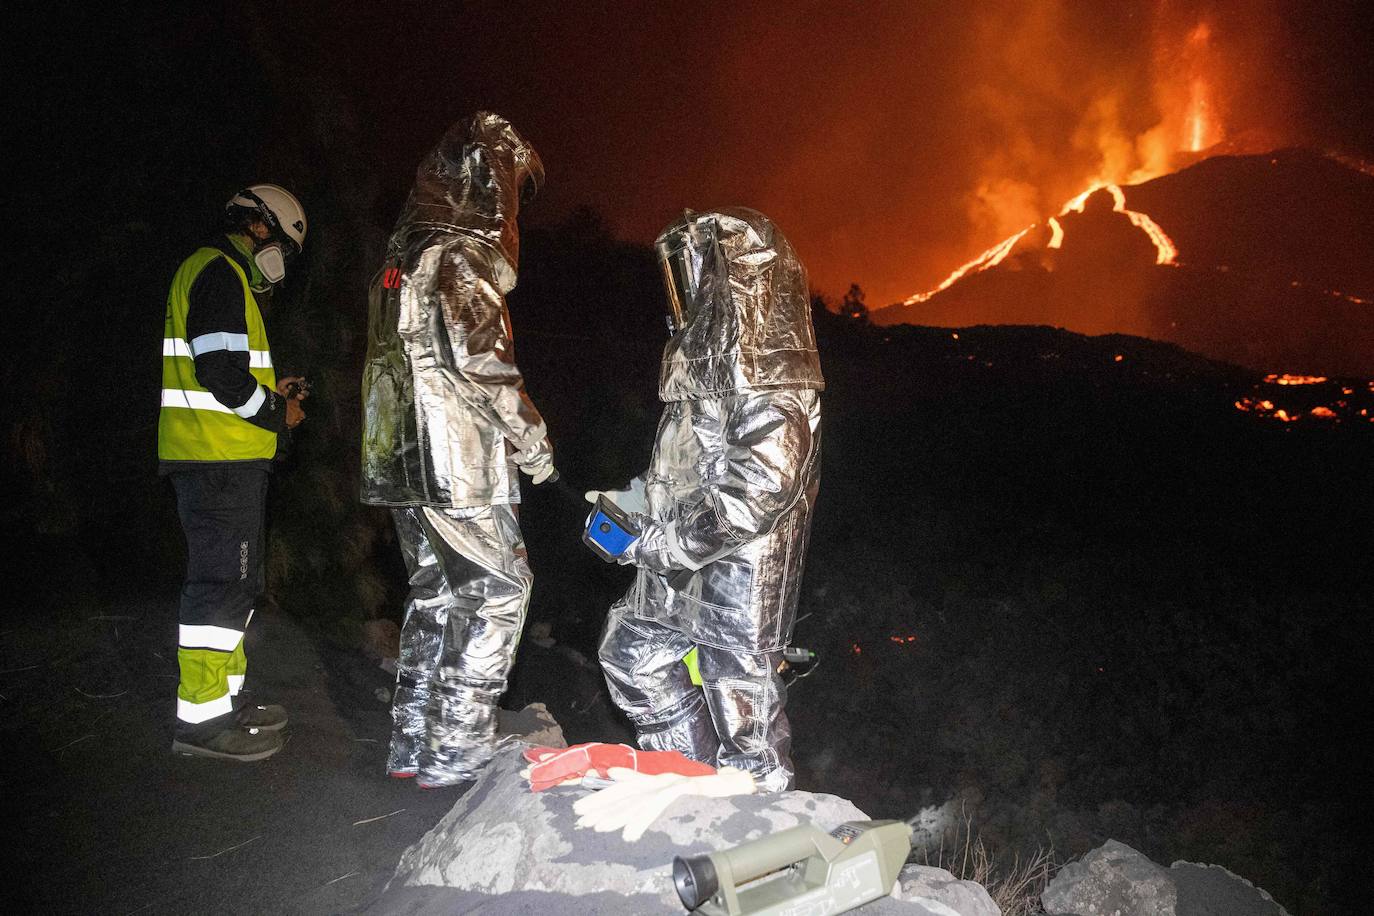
(295, 415)
(285, 389)
(537, 461)
(630, 499)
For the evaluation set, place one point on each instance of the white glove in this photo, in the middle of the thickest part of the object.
(636, 800)
(537, 461)
(630, 499)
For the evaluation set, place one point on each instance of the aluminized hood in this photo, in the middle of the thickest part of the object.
(473, 182)
(743, 308)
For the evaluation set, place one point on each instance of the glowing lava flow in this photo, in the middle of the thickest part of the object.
(1057, 233)
(990, 258)
(1165, 250)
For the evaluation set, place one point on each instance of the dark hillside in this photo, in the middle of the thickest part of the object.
(1064, 580)
(1060, 580)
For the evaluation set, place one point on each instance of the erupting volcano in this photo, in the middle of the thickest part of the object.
(1190, 234)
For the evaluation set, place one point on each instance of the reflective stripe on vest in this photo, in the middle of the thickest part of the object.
(175, 346)
(193, 425)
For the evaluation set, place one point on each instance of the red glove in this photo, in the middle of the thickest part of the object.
(551, 766)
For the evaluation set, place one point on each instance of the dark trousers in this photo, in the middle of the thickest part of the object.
(222, 509)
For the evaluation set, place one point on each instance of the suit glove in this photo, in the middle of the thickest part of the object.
(536, 460)
(554, 766)
(630, 499)
(636, 800)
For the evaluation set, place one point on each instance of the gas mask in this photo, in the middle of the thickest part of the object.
(271, 260)
(683, 251)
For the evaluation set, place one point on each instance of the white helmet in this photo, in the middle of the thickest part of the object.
(275, 206)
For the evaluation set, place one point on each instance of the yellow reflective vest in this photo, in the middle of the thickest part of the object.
(193, 425)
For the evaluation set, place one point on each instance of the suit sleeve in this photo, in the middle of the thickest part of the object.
(768, 444)
(479, 348)
(217, 333)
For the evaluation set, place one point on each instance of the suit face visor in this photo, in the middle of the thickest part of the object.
(681, 254)
(532, 179)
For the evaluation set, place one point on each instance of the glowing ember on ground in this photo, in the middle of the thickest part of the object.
(1290, 398)
(1287, 379)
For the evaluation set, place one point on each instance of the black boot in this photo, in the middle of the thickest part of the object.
(267, 718)
(227, 741)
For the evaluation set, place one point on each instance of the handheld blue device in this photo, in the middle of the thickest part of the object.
(609, 530)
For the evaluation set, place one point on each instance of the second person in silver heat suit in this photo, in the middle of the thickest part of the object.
(725, 506)
(446, 422)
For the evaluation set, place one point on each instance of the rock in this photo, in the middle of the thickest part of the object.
(381, 639)
(534, 726)
(1210, 890)
(1112, 880)
(1115, 880)
(942, 893)
(931, 825)
(505, 849)
(540, 633)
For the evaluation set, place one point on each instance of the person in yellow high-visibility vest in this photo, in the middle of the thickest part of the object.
(222, 410)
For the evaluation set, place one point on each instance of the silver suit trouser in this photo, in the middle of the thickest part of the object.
(469, 587)
(734, 719)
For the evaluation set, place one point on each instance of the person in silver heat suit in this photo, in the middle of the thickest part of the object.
(446, 422)
(725, 506)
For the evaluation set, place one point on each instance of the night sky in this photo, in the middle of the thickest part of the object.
(890, 141)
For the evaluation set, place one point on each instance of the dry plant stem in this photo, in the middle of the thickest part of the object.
(223, 851)
(70, 743)
(100, 696)
(1017, 891)
(378, 818)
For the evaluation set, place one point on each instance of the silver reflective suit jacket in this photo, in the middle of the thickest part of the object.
(736, 463)
(442, 395)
